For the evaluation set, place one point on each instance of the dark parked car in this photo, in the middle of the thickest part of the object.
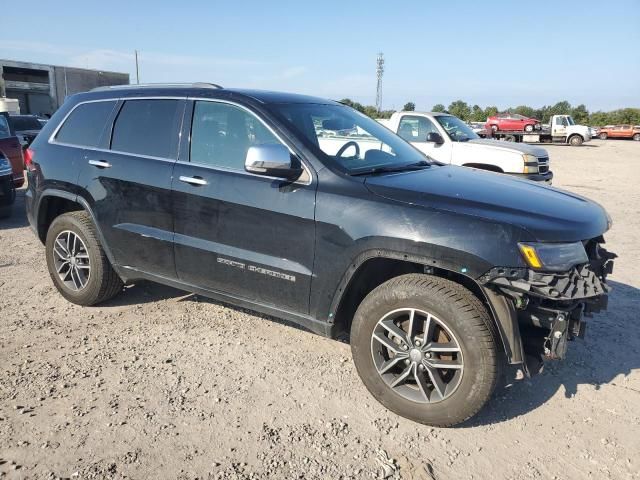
(7, 189)
(439, 274)
(26, 127)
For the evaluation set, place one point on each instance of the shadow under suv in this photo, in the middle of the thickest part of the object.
(439, 274)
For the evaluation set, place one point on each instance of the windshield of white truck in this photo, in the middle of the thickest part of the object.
(457, 130)
(349, 140)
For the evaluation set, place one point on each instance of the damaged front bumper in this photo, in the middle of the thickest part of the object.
(551, 307)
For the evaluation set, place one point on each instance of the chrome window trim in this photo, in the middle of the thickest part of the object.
(53, 141)
(242, 171)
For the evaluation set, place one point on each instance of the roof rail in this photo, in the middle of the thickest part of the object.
(156, 85)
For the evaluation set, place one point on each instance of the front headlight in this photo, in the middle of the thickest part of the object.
(556, 257)
(530, 163)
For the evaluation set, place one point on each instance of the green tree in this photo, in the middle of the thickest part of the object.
(490, 111)
(477, 114)
(438, 107)
(409, 107)
(524, 110)
(460, 109)
(580, 114)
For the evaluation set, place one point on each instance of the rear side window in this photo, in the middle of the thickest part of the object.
(85, 124)
(147, 127)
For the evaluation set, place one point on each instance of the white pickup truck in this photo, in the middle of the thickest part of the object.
(448, 139)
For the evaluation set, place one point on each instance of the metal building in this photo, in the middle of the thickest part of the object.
(41, 89)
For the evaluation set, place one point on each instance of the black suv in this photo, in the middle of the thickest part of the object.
(439, 275)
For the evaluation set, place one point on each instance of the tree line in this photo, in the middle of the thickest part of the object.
(475, 113)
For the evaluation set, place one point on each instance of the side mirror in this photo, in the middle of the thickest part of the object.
(435, 137)
(273, 160)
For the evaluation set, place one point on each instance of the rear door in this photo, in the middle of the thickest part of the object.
(242, 234)
(128, 183)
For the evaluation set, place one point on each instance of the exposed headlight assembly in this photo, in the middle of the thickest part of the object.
(530, 163)
(555, 257)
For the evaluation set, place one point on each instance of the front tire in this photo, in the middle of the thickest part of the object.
(425, 348)
(603, 136)
(636, 137)
(575, 141)
(528, 128)
(77, 264)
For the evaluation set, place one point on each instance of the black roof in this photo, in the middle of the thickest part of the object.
(203, 90)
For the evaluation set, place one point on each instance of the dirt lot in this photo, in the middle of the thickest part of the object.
(162, 384)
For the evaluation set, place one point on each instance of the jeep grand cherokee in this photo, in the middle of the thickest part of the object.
(438, 274)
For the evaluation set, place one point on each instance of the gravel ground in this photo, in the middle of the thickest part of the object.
(162, 384)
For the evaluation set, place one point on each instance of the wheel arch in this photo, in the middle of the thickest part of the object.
(373, 268)
(52, 203)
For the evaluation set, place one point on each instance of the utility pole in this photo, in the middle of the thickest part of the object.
(137, 70)
(379, 72)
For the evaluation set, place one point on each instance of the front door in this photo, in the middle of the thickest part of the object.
(238, 233)
(415, 128)
(559, 127)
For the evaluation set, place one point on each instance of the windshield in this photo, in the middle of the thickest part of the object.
(25, 123)
(349, 140)
(457, 130)
(570, 120)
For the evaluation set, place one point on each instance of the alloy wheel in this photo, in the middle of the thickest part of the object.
(71, 260)
(417, 355)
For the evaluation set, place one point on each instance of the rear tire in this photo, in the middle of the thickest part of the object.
(462, 320)
(603, 136)
(575, 140)
(79, 268)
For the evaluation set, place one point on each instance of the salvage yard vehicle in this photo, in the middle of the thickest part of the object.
(439, 275)
(620, 131)
(512, 122)
(12, 149)
(25, 127)
(7, 188)
(448, 139)
(561, 129)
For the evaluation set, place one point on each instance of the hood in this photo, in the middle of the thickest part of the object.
(512, 146)
(547, 213)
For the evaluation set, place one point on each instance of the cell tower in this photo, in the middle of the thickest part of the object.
(379, 72)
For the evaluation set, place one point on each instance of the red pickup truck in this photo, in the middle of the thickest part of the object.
(11, 148)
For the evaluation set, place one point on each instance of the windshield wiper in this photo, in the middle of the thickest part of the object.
(394, 168)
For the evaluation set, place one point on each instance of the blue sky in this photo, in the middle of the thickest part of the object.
(503, 53)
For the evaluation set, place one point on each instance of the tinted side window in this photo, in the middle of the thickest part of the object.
(4, 127)
(85, 124)
(147, 127)
(221, 134)
(415, 129)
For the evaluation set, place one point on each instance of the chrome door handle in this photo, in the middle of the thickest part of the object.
(193, 180)
(100, 163)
